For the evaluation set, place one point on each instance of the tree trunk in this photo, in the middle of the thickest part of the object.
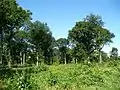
(100, 57)
(1, 46)
(76, 61)
(9, 61)
(65, 61)
(21, 58)
(88, 60)
(1, 62)
(1, 54)
(37, 60)
(25, 54)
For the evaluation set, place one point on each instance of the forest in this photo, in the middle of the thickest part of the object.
(32, 59)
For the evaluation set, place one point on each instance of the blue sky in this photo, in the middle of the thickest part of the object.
(61, 15)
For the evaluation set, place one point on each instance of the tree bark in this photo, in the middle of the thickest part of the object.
(9, 61)
(37, 60)
(1, 46)
(21, 58)
(65, 60)
(100, 57)
(89, 61)
(76, 61)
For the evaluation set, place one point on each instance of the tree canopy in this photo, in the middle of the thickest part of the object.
(23, 41)
(90, 34)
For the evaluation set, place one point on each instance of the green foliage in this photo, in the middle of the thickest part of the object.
(25, 43)
(114, 53)
(90, 35)
(38, 69)
(41, 39)
(20, 80)
(67, 77)
(62, 45)
(13, 18)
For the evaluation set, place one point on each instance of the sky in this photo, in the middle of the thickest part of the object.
(61, 15)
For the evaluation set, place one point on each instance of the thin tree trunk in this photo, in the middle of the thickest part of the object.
(100, 57)
(73, 59)
(0, 61)
(1, 46)
(76, 61)
(9, 61)
(65, 61)
(1, 54)
(25, 56)
(88, 59)
(37, 60)
(21, 58)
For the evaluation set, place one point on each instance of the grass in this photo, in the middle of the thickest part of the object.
(105, 76)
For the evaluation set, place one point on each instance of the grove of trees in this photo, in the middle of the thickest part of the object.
(24, 42)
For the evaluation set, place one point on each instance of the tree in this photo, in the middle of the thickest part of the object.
(95, 56)
(78, 54)
(62, 44)
(104, 56)
(103, 37)
(90, 35)
(114, 53)
(20, 46)
(13, 18)
(41, 38)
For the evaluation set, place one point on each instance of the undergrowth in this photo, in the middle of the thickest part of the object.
(104, 76)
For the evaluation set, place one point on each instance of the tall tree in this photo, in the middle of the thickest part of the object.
(90, 34)
(62, 44)
(13, 17)
(20, 46)
(102, 36)
(41, 38)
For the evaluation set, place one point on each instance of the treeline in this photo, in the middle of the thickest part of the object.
(25, 42)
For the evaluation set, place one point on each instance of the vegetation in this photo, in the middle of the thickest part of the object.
(32, 59)
(104, 76)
